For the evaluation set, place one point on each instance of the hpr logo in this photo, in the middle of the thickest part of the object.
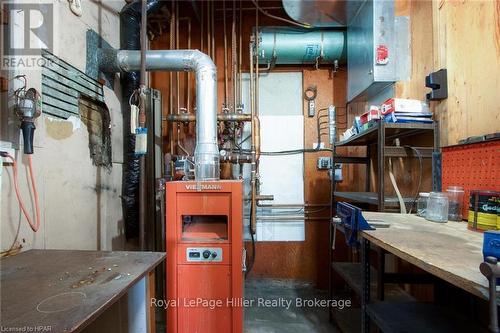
(27, 28)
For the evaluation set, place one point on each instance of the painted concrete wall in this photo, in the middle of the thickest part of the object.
(80, 203)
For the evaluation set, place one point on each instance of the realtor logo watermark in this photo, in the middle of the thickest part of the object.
(27, 28)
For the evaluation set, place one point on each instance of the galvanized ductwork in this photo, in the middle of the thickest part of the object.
(321, 13)
(206, 153)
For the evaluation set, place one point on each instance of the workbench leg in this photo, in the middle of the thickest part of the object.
(330, 275)
(365, 298)
(150, 293)
(380, 273)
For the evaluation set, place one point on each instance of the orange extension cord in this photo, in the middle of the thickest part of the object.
(34, 226)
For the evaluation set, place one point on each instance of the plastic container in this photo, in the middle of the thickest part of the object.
(455, 202)
(437, 207)
(422, 203)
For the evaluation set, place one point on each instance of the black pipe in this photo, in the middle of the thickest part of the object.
(130, 27)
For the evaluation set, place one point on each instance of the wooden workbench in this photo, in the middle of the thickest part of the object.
(446, 250)
(67, 290)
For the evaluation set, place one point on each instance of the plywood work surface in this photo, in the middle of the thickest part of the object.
(446, 250)
(66, 290)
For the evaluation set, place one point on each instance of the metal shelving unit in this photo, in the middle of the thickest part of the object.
(377, 137)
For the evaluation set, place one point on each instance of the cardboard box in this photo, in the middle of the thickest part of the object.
(400, 105)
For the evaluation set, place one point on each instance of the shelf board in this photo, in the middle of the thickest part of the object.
(348, 320)
(352, 274)
(409, 317)
(370, 136)
(371, 198)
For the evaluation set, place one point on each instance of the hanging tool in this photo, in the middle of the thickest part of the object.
(28, 108)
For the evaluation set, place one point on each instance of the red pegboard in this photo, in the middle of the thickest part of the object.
(473, 166)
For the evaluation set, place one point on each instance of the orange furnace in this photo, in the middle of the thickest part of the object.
(204, 256)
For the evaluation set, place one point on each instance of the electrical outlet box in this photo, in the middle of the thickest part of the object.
(5, 146)
(324, 163)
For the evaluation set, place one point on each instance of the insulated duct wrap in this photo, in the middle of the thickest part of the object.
(291, 46)
(130, 23)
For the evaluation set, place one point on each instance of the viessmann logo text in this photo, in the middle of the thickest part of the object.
(204, 187)
(27, 28)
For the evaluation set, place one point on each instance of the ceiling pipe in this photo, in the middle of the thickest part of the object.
(206, 153)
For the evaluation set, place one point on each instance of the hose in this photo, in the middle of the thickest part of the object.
(251, 260)
(36, 225)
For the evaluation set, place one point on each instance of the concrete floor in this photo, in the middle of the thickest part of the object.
(276, 317)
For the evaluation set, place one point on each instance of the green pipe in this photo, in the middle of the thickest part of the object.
(290, 46)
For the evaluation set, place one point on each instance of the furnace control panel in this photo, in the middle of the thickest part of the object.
(208, 254)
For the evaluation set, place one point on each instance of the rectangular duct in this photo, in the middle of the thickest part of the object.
(371, 50)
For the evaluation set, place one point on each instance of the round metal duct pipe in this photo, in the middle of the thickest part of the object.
(291, 46)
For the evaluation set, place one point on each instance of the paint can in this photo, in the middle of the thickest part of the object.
(484, 209)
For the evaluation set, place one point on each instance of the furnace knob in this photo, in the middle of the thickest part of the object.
(206, 254)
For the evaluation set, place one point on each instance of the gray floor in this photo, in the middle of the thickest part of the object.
(276, 317)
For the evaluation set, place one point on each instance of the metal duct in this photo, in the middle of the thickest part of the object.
(206, 153)
(321, 13)
(289, 46)
(130, 23)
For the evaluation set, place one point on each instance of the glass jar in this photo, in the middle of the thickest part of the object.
(422, 203)
(437, 207)
(455, 199)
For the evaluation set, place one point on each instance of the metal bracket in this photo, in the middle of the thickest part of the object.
(438, 82)
(436, 172)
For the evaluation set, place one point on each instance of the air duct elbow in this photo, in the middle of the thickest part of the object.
(206, 153)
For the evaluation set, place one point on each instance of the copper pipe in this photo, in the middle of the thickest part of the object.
(225, 55)
(253, 180)
(256, 137)
(265, 197)
(202, 23)
(209, 25)
(212, 14)
(142, 123)
(188, 117)
(234, 47)
(178, 79)
(171, 79)
(236, 158)
(240, 81)
(253, 8)
(291, 218)
(292, 206)
(188, 74)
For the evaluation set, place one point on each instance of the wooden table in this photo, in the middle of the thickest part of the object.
(67, 290)
(446, 250)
